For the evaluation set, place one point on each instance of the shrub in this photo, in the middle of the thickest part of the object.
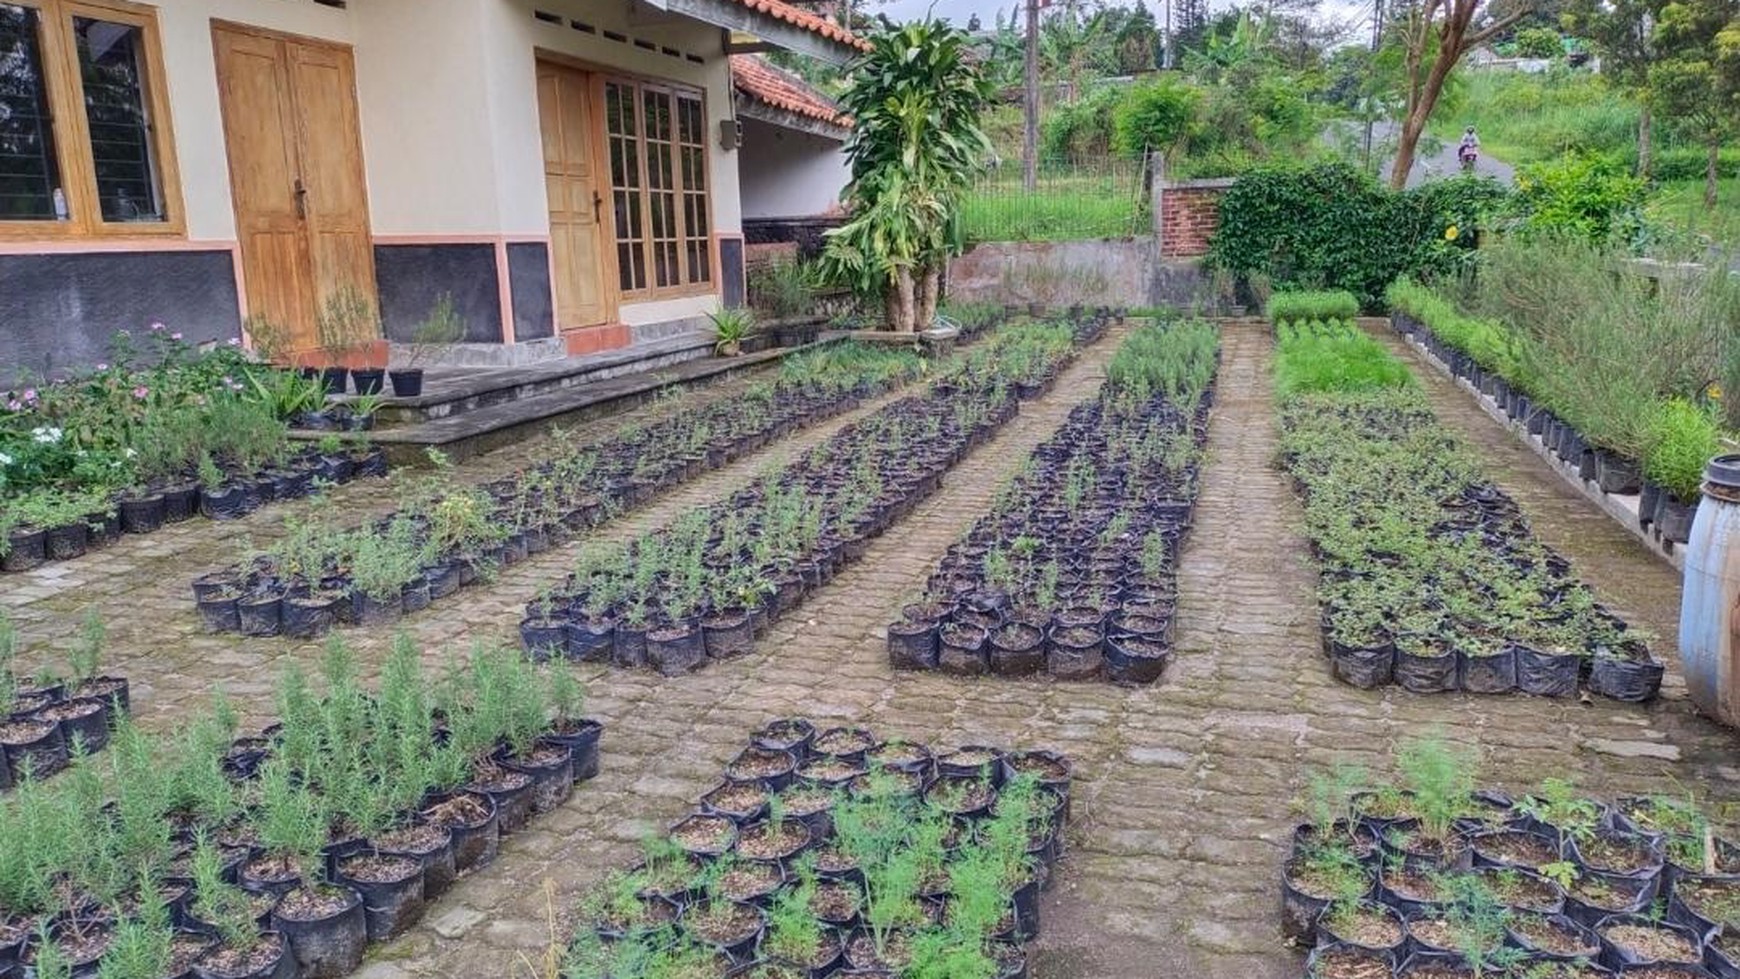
(1583, 197)
(1328, 226)
(1682, 439)
(1538, 42)
(1081, 130)
(1154, 116)
(1492, 345)
(1287, 307)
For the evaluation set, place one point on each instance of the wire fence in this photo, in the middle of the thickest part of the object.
(1095, 199)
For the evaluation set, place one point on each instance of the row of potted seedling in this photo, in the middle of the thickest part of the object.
(284, 854)
(834, 852)
(446, 534)
(1433, 878)
(707, 585)
(1431, 578)
(1073, 572)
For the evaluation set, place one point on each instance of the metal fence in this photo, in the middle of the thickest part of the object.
(1097, 199)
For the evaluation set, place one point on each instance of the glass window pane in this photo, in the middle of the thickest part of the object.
(30, 188)
(112, 66)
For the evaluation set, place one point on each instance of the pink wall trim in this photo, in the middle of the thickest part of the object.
(110, 246)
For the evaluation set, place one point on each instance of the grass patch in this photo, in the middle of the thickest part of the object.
(1680, 204)
(1066, 205)
(1317, 357)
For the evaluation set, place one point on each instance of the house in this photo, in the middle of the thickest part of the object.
(794, 165)
(567, 171)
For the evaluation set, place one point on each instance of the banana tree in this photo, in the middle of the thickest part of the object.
(915, 96)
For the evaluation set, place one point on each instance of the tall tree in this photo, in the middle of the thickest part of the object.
(1621, 32)
(1436, 34)
(1695, 76)
(916, 97)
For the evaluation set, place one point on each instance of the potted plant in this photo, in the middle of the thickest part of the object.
(347, 324)
(443, 326)
(731, 326)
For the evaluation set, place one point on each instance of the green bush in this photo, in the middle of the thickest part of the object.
(1682, 439)
(1329, 226)
(1538, 42)
(1081, 130)
(1493, 346)
(1584, 197)
(1683, 163)
(1154, 116)
(1287, 307)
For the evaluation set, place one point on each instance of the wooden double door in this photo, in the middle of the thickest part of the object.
(580, 260)
(294, 142)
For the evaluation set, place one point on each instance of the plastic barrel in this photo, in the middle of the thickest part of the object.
(1710, 608)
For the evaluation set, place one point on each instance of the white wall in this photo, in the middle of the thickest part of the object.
(790, 174)
(191, 76)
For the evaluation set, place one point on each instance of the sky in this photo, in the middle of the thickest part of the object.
(961, 11)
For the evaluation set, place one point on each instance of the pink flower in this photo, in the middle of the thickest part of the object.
(30, 394)
(235, 341)
(157, 328)
(174, 336)
(102, 367)
(141, 391)
(14, 405)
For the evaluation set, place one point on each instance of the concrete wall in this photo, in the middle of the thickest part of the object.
(789, 174)
(1102, 272)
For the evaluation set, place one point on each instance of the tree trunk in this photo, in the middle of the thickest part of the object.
(904, 299)
(1712, 170)
(1645, 151)
(929, 288)
(1415, 124)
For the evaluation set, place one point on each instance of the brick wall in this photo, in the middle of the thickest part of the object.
(1189, 213)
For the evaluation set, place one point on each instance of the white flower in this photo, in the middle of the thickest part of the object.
(131, 453)
(5, 460)
(46, 436)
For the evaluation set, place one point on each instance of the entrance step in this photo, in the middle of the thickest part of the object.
(510, 409)
(450, 391)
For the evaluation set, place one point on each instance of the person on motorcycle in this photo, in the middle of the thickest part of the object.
(1469, 149)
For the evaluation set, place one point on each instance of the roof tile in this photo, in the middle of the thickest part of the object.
(761, 80)
(807, 20)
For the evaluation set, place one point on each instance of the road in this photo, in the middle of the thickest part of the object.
(1427, 166)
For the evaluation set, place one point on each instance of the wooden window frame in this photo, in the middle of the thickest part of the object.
(71, 127)
(685, 288)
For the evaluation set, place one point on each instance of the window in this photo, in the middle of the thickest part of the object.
(658, 179)
(82, 149)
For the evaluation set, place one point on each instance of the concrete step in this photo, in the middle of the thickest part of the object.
(481, 427)
(451, 391)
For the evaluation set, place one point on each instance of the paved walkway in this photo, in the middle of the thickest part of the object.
(1184, 787)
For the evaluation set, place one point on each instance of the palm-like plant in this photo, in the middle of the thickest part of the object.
(916, 97)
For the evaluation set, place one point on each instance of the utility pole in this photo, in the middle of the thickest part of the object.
(1166, 48)
(1030, 137)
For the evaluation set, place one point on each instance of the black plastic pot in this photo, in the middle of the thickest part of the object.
(963, 649)
(541, 638)
(1366, 667)
(1629, 680)
(40, 755)
(226, 502)
(587, 641)
(512, 793)
(407, 383)
(1615, 956)
(628, 646)
(1135, 659)
(333, 378)
(1674, 519)
(142, 514)
(281, 965)
(582, 740)
(1492, 673)
(368, 610)
(67, 542)
(1617, 474)
(84, 723)
(328, 947)
(1425, 674)
(1547, 674)
(912, 645)
(436, 857)
(728, 635)
(26, 548)
(368, 380)
(474, 841)
(551, 769)
(1017, 649)
(310, 617)
(220, 614)
(676, 650)
(391, 905)
(260, 614)
(1075, 652)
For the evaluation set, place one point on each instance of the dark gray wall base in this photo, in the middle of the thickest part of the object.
(806, 232)
(412, 277)
(529, 279)
(732, 288)
(59, 312)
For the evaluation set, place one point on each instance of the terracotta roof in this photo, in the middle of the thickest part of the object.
(760, 80)
(809, 21)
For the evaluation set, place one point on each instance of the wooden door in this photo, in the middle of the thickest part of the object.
(566, 99)
(295, 155)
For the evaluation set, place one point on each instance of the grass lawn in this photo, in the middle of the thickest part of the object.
(1680, 203)
(1065, 206)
